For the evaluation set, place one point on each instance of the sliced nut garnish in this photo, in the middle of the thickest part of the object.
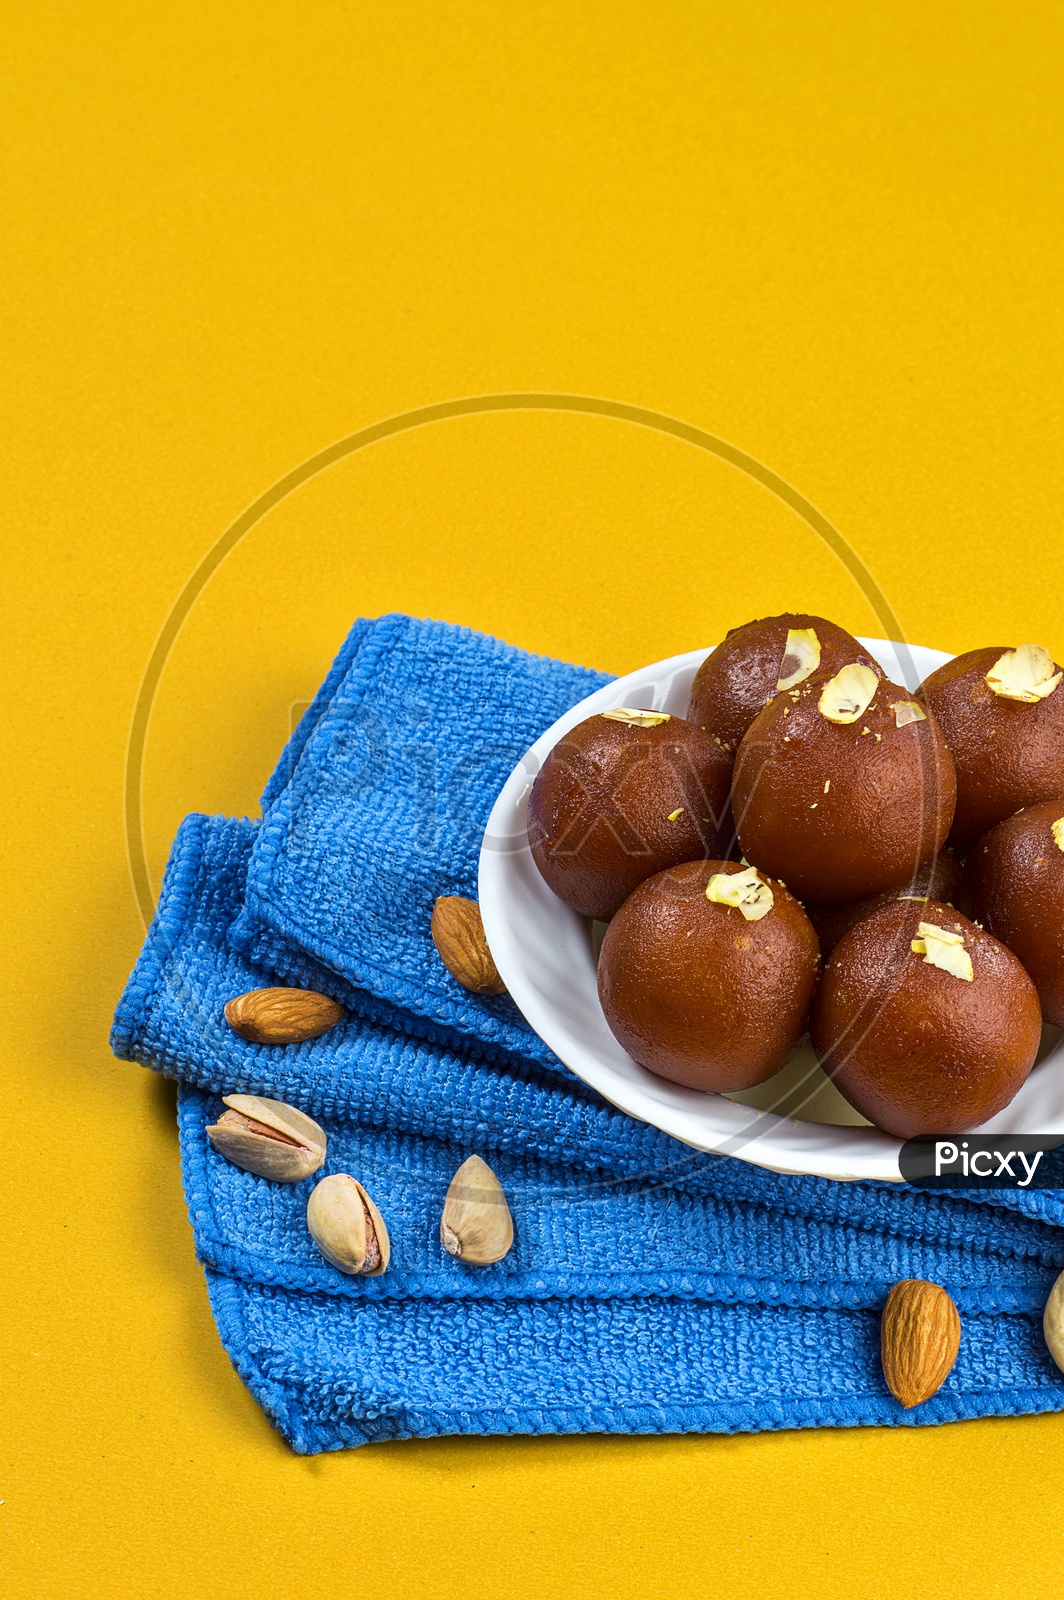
(268, 1138)
(847, 695)
(675, 815)
(458, 934)
(906, 711)
(743, 890)
(800, 658)
(476, 1226)
(1058, 833)
(347, 1227)
(1025, 674)
(637, 719)
(943, 949)
(282, 1016)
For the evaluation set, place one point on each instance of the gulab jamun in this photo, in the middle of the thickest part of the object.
(941, 878)
(706, 974)
(1002, 712)
(843, 787)
(927, 1024)
(1016, 875)
(755, 661)
(622, 796)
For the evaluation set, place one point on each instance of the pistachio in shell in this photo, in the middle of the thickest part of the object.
(347, 1227)
(269, 1138)
(476, 1227)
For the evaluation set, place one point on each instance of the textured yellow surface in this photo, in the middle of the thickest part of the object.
(234, 233)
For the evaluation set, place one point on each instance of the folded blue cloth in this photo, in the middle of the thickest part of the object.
(171, 1017)
(380, 807)
(332, 1372)
(650, 1288)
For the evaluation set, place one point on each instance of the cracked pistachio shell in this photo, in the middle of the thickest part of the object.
(347, 1227)
(476, 1227)
(268, 1138)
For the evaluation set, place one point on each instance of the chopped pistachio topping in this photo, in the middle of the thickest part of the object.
(906, 711)
(637, 719)
(1025, 674)
(677, 813)
(944, 950)
(1058, 833)
(743, 890)
(800, 658)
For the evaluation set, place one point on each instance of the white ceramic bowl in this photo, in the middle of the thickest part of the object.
(546, 954)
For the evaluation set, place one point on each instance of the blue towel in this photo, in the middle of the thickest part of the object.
(380, 807)
(650, 1288)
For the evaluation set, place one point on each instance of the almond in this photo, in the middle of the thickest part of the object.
(1026, 674)
(847, 696)
(920, 1337)
(458, 934)
(746, 890)
(801, 657)
(943, 949)
(282, 1016)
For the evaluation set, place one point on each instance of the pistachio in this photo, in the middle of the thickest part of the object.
(268, 1138)
(1025, 674)
(476, 1227)
(1058, 833)
(943, 949)
(636, 718)
(347, 1227)
(281, 1015)
(801, 657)
(906, 711)
(847, 696)
(744, 890)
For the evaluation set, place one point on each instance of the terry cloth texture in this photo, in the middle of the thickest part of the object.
(381, 808)
(650, 1288)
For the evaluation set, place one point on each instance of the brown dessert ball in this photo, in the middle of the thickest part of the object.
(941, 878)
(624, 795)
(698, 993)
(915, 1048)
(1008, 754)
(1016, 875)
(741, 676)
(842, 810)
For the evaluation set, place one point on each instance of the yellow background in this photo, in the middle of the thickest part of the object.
(234, 233)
